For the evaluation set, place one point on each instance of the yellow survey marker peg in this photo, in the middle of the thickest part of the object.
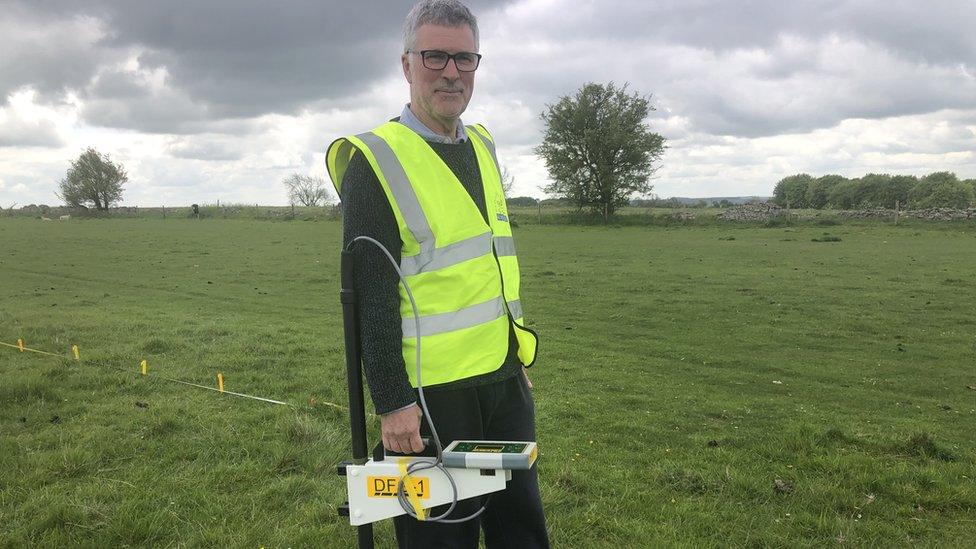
(20, 345)
(220, 382)
(74, 351)
(145, 367)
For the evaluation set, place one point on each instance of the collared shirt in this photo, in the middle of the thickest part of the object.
(408, 119)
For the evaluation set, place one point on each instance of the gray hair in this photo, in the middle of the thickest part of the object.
(446, 13)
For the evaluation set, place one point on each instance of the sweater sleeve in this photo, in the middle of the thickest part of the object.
(367, 212)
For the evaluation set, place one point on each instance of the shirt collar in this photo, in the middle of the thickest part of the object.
(408, 119)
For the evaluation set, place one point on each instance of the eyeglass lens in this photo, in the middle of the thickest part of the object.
(437, 60)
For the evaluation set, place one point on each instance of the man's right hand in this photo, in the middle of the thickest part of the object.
(401, 430)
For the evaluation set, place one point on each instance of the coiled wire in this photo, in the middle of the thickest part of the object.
(421, 464)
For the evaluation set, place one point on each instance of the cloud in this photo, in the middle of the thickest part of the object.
(700, 165)
(49, 53)
(224, 59)
(205, 147)
(18, 132)
(798, 68)
(141, 100)
(25, 124)
(222, 99)
(747, 69)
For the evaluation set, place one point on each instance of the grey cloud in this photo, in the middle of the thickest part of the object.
(205, 147)
(47, 52)
(738, 68)
(165, 112)
(935, 32)
(17, 132)
(793, 85)
(230, 58)
(117, 84)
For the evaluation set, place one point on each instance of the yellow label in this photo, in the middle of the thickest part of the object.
(532, 456)
(386, 487)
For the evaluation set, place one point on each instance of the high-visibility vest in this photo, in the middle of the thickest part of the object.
(463, 273)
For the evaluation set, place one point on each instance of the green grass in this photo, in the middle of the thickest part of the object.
(682, 370)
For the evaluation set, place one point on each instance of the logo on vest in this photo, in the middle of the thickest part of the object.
(501, 217)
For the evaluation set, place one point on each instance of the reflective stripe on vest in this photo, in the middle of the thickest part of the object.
(504, 245)
(405, 196)
(455, 320)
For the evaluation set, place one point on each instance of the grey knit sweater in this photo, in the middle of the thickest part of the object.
(366, 211)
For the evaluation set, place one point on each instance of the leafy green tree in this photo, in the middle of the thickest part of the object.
(896, 191)
(522, 201)
(598, 148)
(792, 190)
(819, 189)
(972, 185)
(941, 190)
(871, 189)
(844, 195)
(92, 181)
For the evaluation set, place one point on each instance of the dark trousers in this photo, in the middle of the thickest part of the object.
(514, 519)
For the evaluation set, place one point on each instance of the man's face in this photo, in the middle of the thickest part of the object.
(439, 97)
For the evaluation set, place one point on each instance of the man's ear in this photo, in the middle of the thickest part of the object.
(405, 63)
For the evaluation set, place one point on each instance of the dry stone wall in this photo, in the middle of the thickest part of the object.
(931, 214)
(752, 212)
(766, 211)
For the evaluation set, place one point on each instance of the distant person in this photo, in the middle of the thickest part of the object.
(428, 188)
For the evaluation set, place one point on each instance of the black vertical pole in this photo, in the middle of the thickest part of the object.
(354, 375)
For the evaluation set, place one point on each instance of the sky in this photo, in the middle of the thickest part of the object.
(220, 100)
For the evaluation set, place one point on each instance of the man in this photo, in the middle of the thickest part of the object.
(429, 190)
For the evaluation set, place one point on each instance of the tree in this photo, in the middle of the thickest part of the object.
(819, 189)
(896, 193)
(508, 180)
(844, 195)
(93, 181)
(792, 190)
(941, 190)
(972, 185)
(597, 147)
(522, 201)
(872, 189)
(305, 190)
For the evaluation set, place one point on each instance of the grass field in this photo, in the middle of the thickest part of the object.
(682, 371)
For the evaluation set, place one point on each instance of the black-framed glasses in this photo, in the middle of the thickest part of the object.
(436, 60)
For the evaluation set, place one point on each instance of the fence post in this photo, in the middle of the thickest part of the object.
(897, 210)
(540, 212)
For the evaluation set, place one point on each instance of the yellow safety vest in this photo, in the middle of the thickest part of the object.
(464, 273)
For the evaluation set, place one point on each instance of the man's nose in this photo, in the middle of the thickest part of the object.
(451, 71)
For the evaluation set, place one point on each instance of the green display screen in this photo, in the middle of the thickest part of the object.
(490, 448)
